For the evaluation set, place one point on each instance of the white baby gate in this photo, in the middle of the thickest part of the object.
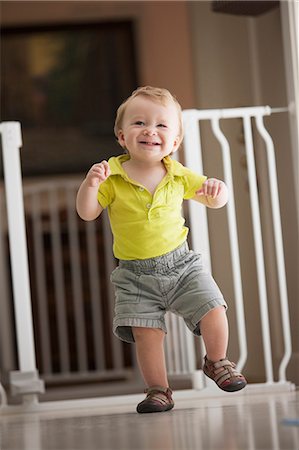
(180, 348)
(198, 219)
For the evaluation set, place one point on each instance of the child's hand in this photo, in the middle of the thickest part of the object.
(97, 174)
(213, 192)
(211, 188)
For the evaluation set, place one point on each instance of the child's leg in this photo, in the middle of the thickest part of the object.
(150, 355)
(151, 360)
(214, 330)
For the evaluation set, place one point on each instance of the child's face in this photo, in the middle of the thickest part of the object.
(150, 130)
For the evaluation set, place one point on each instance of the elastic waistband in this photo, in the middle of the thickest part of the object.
(167, 260)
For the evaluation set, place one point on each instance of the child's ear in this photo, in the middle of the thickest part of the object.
(121, 138)
(176, 144)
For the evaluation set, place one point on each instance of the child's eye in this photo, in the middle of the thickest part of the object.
(139, 122)
(162, 125)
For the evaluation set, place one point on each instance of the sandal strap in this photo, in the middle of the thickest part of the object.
(159, 393)
(228, 371)
(223, 363)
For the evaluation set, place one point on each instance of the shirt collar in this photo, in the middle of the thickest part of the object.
(115, 164)
(173, 167)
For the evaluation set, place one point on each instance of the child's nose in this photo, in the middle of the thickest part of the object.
(150, 131)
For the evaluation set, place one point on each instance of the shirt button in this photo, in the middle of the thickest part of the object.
(141, 189)
(148, 205)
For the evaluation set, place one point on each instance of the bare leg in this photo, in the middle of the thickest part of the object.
(214, 330)
(150, 355)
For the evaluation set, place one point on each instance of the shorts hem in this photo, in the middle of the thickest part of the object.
(196, 318)
(122, 328)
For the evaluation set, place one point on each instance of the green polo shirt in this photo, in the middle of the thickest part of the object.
(145, 225)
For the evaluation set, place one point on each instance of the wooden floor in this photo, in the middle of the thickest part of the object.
(258, 421)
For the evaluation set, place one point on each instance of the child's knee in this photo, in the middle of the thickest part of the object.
(141, 333)
(217, 311)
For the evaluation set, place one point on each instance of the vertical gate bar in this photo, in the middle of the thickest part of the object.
(182, 345)
(76, 275)
(39, 256)
(59, 288)
(118, 357)
(167, 345)
(259, 255)
(11, 144)
(190, 352)
(175, 343)
(95, 295)
(276, 219)
(3, 398)
(7, 347)
(198, 214)
(233, 241)
(188, 348)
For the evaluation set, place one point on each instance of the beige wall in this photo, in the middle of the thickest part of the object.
(239, 62)
(211, 60)
(273, 91)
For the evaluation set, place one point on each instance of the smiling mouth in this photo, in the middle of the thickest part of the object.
(150, 144)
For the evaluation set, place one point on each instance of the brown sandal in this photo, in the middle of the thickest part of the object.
(224, 374)
(158, 399)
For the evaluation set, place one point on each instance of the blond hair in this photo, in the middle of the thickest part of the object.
(160, 95)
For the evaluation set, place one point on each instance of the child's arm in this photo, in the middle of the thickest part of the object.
(213, 193)
(87, 203)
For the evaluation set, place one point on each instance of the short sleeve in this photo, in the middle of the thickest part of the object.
(106, 193)
(192, 182)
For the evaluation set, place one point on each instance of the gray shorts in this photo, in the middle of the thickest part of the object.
(146, 289)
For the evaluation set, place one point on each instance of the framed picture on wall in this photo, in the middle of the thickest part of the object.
(64, 84)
